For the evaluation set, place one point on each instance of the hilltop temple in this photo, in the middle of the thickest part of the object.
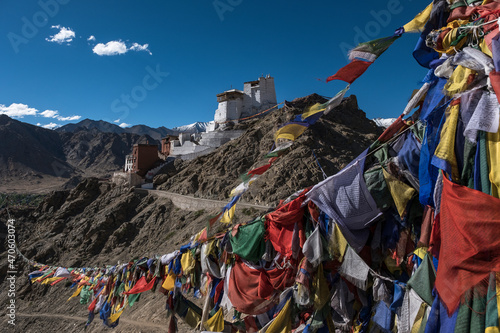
(234, 105)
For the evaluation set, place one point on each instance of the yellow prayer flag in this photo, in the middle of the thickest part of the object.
(446, 147)
(216, 322)
(169, 282)
(421, 252)
(283, 321)
(228, 215)
(50, 280)
(401, 193)
(338, 243)
(77, 292)
(114, 317)
(321, 291)
(313, 110)
(419, 318)
(187, 262)
(418, 23)
(458, 81)
(493, 147)
(291, 132)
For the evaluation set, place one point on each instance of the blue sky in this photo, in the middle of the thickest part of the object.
(161, 63)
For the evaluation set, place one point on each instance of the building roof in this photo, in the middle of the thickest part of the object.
(170, 136)
(232, 91)
(145, 145)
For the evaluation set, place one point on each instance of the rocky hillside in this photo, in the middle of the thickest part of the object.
(96, 223)
(336, 139)
(99, 223)
(38, 159)
(97, 153)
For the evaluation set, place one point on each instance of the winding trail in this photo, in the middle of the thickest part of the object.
(139, 324)
(190, 203)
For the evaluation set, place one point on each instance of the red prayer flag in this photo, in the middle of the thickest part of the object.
(397, 126)
(351, 71)
(470, 241)
(280, 225)
(252, 289)
(141, 286)
(259, 170)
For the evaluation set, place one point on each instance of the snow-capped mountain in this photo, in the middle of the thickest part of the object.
(198, 127)
(384, 122)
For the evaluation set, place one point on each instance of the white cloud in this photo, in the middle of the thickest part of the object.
(50, 126)
(65, 35)
(91, 38)
(117, 120)
(68, 118)
(115, 47)
(17, 110)
(139, 47)
(49, 114)
(110, 48)
(123, 125)
(55, 114)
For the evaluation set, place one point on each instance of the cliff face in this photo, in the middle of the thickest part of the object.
(99, 223)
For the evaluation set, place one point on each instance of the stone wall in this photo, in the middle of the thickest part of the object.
(218, 138)
(127, 179)
(194, 204)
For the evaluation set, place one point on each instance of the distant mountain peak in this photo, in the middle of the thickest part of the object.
(384, 122)
(197, 127)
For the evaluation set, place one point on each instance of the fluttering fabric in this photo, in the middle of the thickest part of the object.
(216, 322)
(290, 131)
(362, 56)
(252, 288)
(351, 71)
(345, 198)
(281, 224)
(470, 241)
(248, 240)
(354, 269)
(401, 192)
(313, 247)
(141, 286)
(419, 21)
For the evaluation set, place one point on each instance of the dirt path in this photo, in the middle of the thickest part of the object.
(193, 204)
(138, 324)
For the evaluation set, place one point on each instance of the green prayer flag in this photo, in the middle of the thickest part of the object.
(248, 242)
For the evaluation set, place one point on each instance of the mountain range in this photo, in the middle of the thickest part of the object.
(33, 158)
(156, 133)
